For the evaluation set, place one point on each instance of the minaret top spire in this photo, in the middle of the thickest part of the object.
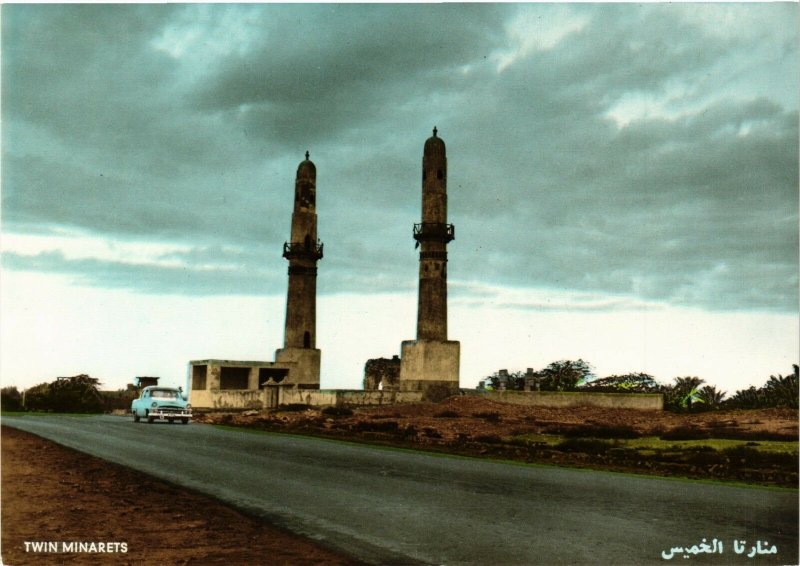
(434, 131)
(307, 154)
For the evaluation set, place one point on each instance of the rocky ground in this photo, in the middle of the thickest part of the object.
(754, 446)
(54, 494)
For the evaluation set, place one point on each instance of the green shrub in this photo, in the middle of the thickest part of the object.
(76, 394)
(10, 399)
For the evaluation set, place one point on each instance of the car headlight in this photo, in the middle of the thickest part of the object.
(188, 406)
(154, 404)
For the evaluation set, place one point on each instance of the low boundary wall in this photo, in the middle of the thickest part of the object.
(241, 399)
(347, 397)
(272, 397)
(567, 399)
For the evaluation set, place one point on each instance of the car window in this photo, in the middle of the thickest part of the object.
(164, 394)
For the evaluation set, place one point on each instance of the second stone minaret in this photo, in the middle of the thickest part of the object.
(430, 364)
(303, 251)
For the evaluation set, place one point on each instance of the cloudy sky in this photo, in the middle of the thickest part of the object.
(623, 180)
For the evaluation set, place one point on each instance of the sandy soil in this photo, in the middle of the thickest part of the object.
(480, 427)
(52, 493)
(473, 416)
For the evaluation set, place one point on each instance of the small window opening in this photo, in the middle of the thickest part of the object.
(306, 339)
(234, 377)
(439, 174)
(199, 377)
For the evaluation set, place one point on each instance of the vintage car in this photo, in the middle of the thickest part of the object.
(157, 402)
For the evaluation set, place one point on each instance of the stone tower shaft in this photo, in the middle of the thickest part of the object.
(432, 236)
(303, 251)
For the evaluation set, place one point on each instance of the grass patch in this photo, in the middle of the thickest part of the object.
(751, 457)
(586, 445)
(488, 439)
(584, 431)
(429, 451)
(656, 443)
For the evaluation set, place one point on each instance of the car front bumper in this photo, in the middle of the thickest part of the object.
(170, 414)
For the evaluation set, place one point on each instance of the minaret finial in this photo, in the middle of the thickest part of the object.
(434, 131)
(306, 155)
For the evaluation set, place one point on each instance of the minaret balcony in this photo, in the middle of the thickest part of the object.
(303, 250)
(434, 232)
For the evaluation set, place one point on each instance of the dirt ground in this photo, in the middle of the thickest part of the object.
(476, 426)
(54, 494)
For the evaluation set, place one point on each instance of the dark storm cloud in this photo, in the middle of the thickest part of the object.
(159, 123)
(323, 69)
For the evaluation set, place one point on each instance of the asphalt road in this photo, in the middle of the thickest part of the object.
(398, 507)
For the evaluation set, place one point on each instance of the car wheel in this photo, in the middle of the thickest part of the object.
(135, 417)
(170, 421)
(149, 418)
(184, 420)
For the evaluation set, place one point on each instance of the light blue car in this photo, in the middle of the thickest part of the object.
(161, 403)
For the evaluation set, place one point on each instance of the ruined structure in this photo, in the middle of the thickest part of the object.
(431, 362)
(383, 374)
(253, 384)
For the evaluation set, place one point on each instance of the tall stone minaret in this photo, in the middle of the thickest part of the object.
(303, 251)
(430, 363)
(432, 236)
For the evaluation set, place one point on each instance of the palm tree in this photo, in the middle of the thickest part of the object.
(711, 396)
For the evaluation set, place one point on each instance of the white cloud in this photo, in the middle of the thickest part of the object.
(204, 32)
(75, 245)
(537, 30)
(51, 328)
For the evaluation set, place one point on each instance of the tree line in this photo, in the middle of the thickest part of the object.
(687, 393)
(75, 394)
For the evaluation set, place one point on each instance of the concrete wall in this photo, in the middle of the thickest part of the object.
(234, 399)
(304, 364)
(228, 399)
(566, 399)
(428, 361)
(345, 397)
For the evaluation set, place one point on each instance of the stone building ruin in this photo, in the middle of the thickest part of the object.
(382, 374)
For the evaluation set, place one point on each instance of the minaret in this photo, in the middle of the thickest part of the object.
(303, 251)
(432, 360)
(432, 236)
